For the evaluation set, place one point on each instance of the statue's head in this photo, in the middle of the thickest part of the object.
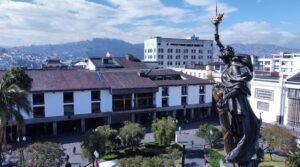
(227, 54)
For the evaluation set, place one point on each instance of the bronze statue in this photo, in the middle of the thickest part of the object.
(240, 126)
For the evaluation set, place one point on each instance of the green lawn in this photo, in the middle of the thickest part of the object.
(276, 162)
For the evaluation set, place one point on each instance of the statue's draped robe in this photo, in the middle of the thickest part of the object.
(243, 122)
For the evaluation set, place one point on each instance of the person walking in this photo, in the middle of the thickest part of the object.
(74, 149)
(192, 143)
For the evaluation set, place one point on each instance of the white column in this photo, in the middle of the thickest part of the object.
(209, 111)
(174, 114)
(132, 101)
(192, 113)
(109, 120)
(24, 130)
(82, 125)
(54, 128)
(153, 115)
(132, 115)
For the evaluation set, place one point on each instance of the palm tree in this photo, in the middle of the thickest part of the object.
(12, 98)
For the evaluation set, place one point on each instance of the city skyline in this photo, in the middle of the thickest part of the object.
(27, 22)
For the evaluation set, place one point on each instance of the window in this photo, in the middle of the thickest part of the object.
(121, 102)
(160, 50)
(39, 112)
(177, 57)
(68, 97)
(201, 99)
(95, 96)
(170, 63)
(96, 101)
(178, 51)
(200, 51)
(177, 63)
(158, 43)
(160, 56)
(185, 51)
(165, 91)
(201, 89)
(38, 99)
(164, 102)
(193, 50)
(183, 100)
(170, 50)
(193, 57)
(96, 107)
(185, 56)
(170, 57)
(69, 109)
(184, 90)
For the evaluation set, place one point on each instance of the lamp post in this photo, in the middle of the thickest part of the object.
(21, 153)
(175, 122)
(96, 156)
(210, 137)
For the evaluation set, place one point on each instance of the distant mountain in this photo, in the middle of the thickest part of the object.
(33, 56)
(94, 47)
(260, 49)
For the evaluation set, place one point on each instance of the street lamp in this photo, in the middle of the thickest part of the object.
(96, 156)
(21, 154)
(175, 121)
(210, 137)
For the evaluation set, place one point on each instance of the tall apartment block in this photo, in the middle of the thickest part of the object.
(287, 63)
(171, 52)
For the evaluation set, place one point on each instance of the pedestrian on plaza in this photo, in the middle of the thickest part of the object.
(192, 142)
(74, 149)
(67, 158)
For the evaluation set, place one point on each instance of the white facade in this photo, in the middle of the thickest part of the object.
(169, 52)
(287, 63)
(268, 100)
(82, 102)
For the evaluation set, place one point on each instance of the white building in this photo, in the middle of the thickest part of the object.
(275, 99)
(171, 52)
(68, 101)
(287, 63)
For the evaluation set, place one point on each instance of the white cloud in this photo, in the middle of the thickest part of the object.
(257, 32)
(60, 21)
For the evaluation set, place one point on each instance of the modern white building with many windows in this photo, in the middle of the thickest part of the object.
(284, 62)
(171, 52)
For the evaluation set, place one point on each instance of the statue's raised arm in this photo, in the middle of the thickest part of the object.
(216, 20)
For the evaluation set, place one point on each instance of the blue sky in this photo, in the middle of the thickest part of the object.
(27, 22)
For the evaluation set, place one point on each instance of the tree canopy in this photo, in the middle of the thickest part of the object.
(44, 154)
(280, 138)
(93, 141)
(132, 134)
(163, 130)
(205, 130)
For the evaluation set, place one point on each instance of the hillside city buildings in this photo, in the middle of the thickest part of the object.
(284, 62)
(172, 52)
(110, 91)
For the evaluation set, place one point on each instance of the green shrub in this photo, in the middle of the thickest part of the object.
(110, 156)
(214, 158)
(176, 146)
(154, 145)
